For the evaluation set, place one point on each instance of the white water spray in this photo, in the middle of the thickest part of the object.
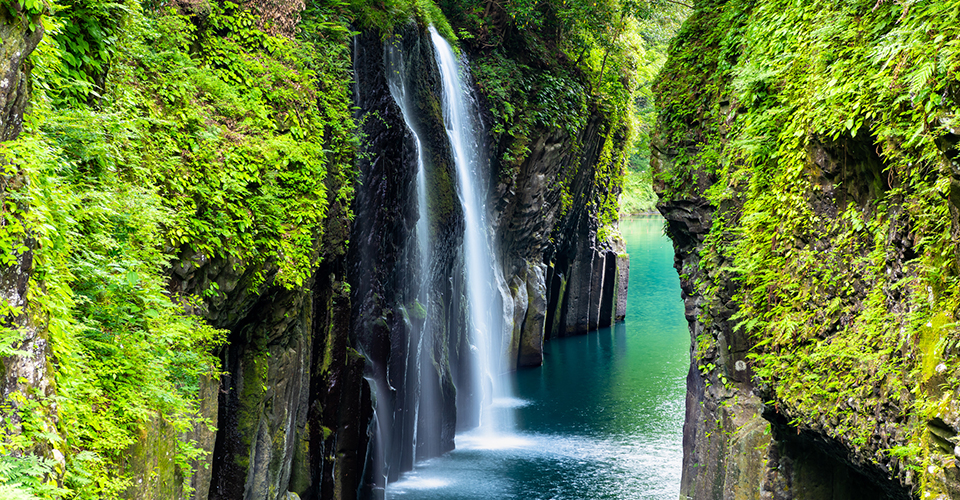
(396, 75)
(496, 413)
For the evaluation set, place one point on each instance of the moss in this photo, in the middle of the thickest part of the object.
(250, 402)
(329, 341)
(931, 343)
(301, 477)
(443, 203)
(151, 462)
(386, 15)
(826, 185)
(558, 310)
(417, 311)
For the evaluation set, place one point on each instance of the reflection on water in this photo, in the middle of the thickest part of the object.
(601, 419)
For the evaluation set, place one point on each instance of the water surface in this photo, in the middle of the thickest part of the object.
(601, 419)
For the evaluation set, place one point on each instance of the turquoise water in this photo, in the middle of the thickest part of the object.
(601, 419)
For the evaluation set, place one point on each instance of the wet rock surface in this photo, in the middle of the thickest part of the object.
(397, 333)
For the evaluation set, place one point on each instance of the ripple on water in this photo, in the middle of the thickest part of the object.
(542, 467)
(602, 419)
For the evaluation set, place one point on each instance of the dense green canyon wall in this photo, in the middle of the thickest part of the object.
(201, 225)
(806, 157)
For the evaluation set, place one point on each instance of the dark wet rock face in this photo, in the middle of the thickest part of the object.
(416, 353)
(584, 284)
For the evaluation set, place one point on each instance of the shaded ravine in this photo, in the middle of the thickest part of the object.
(602, 418)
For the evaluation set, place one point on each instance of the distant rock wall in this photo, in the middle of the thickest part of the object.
(560, 278)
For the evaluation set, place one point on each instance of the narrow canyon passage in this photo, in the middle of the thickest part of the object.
(603, 416)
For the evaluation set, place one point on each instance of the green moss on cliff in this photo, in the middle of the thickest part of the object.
(386, 15)
(821, 135)
(203, 132)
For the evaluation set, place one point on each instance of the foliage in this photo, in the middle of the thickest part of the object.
(158, 136)
(656, 32)
(385, 15)
(88, 36)
(638, 196)
(27, 477)
(545, 67)
(822, 130)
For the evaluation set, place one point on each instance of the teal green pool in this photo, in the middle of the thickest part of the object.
(601, 419)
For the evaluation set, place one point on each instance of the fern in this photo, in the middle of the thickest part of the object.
(922, 77)
(29, 476)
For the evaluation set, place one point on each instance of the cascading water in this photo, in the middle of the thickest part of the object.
(416, 392)
(426, 295)
(479, 258)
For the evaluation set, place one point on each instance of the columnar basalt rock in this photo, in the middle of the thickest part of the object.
(386, 276)
(582, 276)
(535, 321)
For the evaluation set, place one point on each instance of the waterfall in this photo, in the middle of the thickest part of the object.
(480, 262)
(427, 294)
(417, 393)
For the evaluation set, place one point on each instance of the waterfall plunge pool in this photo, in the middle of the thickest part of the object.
(601, 419)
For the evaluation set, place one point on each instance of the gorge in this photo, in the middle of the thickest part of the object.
(217, 289)
(338, 249)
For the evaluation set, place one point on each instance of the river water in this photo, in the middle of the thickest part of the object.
(601, 419)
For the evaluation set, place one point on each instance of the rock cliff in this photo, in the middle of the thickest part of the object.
(807, 178)
(257, 252)
(557, 164)
(392, 327)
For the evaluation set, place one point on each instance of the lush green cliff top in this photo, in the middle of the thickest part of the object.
(823, 137)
